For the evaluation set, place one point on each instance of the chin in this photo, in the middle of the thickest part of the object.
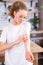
(19, 22)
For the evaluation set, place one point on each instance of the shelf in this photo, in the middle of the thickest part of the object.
(34, 11)
(37, 32)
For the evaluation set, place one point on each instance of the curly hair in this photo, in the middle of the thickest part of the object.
(16, 6)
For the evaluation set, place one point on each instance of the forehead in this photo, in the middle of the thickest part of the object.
(22, 12)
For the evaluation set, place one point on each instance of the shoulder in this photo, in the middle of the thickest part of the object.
(6, 27)
(27, 24)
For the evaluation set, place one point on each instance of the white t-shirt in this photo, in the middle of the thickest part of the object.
(15, 55)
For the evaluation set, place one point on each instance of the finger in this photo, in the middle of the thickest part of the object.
(32, 58)
(29, 59)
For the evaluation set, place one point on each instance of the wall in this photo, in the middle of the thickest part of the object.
(4, 19)
(40, 2)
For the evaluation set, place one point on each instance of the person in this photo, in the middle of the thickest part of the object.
(15, 37)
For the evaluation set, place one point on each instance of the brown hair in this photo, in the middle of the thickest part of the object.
(16, 6)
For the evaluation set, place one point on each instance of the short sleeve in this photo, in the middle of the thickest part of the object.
(3, 35)
(27, 28)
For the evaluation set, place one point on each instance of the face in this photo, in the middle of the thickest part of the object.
(20, 16)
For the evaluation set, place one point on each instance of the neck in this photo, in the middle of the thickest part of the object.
(14, 22)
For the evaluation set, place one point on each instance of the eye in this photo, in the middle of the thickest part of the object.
(24, 17)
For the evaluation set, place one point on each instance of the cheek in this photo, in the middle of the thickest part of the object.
(17, 19)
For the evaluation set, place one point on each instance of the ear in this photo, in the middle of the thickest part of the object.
(14, 13)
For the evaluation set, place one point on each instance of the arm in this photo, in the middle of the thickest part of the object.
(28, 53)
(4, 46)
(26, 39)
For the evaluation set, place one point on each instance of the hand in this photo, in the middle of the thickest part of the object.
(20, 39)
(29, 56)
(25, 37)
